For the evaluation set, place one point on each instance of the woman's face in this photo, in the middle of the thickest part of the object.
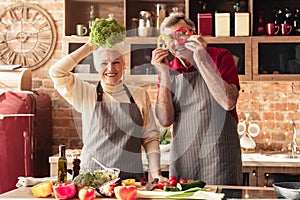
(111, 67)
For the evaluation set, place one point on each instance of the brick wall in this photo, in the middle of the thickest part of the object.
(270, 104)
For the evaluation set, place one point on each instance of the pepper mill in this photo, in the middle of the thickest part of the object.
(76, 167)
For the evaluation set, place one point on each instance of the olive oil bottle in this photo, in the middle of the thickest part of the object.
(62, 165)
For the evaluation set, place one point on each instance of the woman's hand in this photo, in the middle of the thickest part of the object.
(159, 59)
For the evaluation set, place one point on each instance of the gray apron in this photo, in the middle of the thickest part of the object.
(115, 137)
(206, 145)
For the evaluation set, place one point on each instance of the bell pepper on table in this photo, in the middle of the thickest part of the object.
(42, 189)
(125, 192)
(64, 190)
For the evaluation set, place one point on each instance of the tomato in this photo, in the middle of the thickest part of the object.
(173, 182)
(64, 190)
(143, 181)
(172, 178)
(125, 192)
(42, 189)
(161, 185)
(182, 180)
(86, 193)
(190, 180)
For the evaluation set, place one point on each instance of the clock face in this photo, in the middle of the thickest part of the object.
(27, 35)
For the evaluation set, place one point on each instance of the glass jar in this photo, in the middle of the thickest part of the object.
(133, 28)
(145, 24)
(160, 14)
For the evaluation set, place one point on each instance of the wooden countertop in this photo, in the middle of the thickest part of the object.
(233, 192)
(259, 159)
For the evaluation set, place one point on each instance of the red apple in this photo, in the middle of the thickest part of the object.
(125, 192)
(86, 193)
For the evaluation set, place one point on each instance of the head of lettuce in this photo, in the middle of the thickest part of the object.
(107, 32)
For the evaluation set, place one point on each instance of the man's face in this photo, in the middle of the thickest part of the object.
(177, 48)
(111, 67)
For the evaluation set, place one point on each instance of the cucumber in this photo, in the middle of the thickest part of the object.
(185, 186)
(170, 188)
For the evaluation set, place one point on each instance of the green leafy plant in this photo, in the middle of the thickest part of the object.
(107, 32)
(165, 135)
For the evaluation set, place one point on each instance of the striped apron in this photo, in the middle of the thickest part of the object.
(115, 137)
(206, 145)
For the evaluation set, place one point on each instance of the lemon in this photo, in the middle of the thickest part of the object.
(127, 182)
(42, 189)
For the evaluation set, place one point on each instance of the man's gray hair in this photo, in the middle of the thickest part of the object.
(174, 19)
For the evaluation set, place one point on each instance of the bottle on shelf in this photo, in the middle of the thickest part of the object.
(278, 16)
(92, 16)
(145, 24)
(296, 22)
(62, 165)
(260, 27)
(288, 16)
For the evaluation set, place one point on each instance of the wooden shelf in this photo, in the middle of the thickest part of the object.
(252, 46)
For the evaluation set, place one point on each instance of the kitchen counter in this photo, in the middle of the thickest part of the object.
(232, 192)
(259, 159)
(255, 164)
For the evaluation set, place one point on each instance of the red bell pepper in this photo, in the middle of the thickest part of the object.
(64, 190)
(182, 34)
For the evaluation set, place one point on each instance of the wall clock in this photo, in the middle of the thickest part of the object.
(27, 35)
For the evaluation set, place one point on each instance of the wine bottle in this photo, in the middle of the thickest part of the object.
(62, 165)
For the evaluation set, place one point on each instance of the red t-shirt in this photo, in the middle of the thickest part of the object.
(223, 61)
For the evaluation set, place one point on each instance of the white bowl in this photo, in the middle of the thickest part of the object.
(165, 147)
(288, 190)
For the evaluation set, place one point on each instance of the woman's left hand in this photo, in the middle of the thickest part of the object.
(162, 179)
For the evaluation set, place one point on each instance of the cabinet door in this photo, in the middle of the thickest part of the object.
(85, 68)
(240, 48)
(276, 58)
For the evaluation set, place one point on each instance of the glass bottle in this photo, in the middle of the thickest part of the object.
(62, 165)
(92, 16)
(260, 27)
(160, 15)
(288, 16)
(296, 22)
(144, 29)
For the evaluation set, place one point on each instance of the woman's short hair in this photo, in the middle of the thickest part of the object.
(174, 19)
(97, 56)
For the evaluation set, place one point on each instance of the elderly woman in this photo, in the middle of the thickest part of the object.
(116, 119)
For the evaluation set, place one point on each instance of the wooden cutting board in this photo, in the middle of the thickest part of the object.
(161, 194)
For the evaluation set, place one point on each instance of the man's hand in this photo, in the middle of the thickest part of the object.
(159, 60)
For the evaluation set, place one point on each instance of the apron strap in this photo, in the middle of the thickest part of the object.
(128, 94)
(100, 92)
